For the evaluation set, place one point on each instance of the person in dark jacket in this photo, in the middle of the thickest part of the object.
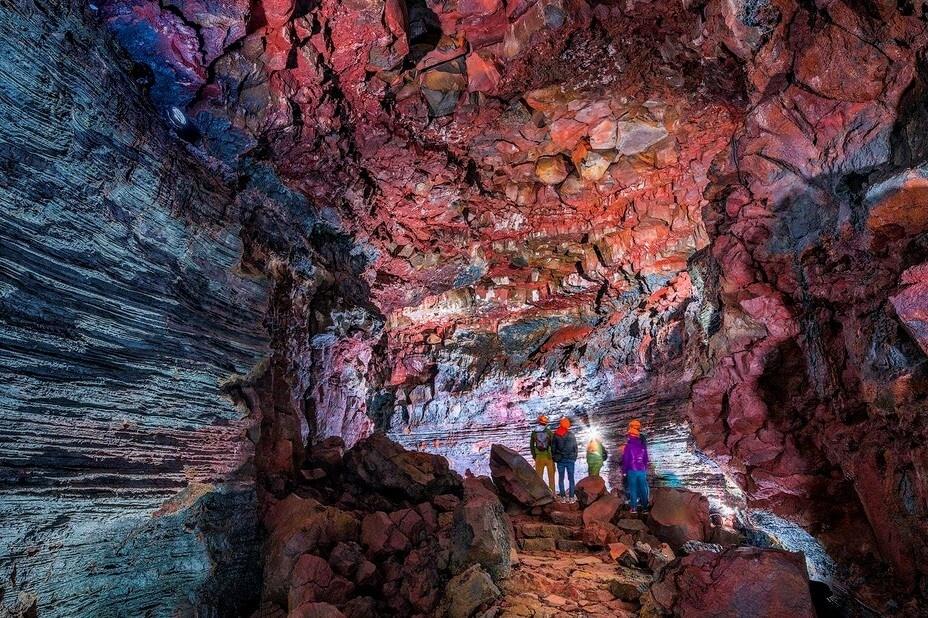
(540, 445)
(635, 467)
(564, 451)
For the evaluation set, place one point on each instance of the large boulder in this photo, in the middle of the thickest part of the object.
(481, 532)
(603, 510)
(300, 526)
(516, 478)
(679, 515)
(741, 581)
(589, 490)
(382, 465)
(467, 591)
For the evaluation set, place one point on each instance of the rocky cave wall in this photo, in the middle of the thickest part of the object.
(455, 215)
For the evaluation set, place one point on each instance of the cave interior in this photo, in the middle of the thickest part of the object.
(285, 284)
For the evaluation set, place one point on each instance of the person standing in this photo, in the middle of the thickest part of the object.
(635, 467)
(595, 455)
(564, 451)
(540, 445)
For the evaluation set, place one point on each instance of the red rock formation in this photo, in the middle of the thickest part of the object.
(470, 212)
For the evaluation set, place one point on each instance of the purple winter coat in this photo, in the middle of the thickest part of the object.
(635, 457)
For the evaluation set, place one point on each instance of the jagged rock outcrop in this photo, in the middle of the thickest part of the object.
(709, 583)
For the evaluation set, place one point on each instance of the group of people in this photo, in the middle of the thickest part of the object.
(558, 450)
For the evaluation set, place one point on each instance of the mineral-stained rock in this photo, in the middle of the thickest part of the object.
(516, 479)
(468, 591)
(481, 533)
(678, 515)
(737, 582)
(589, 490)
(551, 170)
(383, 465)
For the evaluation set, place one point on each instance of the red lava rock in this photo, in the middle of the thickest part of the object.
(603, 510)
(738, 582)
(678, 515)
(589, 490)
(516, 479)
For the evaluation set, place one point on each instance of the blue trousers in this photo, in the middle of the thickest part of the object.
(637, 488)
(565, 466)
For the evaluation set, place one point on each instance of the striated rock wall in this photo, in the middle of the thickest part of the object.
(120, 484)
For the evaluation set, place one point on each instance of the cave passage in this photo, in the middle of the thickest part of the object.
(285, 286)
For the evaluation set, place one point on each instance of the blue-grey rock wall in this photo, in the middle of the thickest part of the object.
(121, 312)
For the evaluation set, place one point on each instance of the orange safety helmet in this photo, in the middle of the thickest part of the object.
(565, 423)
(543, 419)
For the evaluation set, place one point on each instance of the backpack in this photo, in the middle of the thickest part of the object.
(542, 440)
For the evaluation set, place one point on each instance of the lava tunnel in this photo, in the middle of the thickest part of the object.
(288, 286)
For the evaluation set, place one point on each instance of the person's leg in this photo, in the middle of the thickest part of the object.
(645, 491)
(640, 484)
(550, 465)
(631, 491)
(561, 468)
(570, 477)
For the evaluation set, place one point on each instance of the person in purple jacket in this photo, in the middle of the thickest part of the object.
(635, 467)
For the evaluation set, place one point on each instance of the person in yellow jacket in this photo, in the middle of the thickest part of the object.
(595, 455)
(540, 444)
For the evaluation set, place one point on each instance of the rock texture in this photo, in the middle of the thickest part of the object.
(121, 313)
(438, 220)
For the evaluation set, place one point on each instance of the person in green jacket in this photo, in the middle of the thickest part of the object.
(595, 455)
(540, 444)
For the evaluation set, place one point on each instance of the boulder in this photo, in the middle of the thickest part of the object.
(381, 535)
(603, 510)
(313, 580)
(566, 518)
(481, 532)
(626, 590)
(599, 534)
(299, 526)
(468, 591)
(589, 490)
(741, 581)
(623, 554)
(679, 515)
(383, 466)
(516, 479)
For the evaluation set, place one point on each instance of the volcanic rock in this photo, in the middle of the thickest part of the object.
(737, 582)
(384, 466)
(589, 489)
(481, 533)
(603, 510)
(679, 515)
(516, 479)
(468, 591)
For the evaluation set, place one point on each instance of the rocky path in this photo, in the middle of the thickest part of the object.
(569, 583)
(566, 569)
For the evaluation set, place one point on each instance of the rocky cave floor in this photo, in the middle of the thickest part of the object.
(380, 531)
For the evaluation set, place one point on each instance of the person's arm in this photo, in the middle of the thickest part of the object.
(531, 445)
(625, 461)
